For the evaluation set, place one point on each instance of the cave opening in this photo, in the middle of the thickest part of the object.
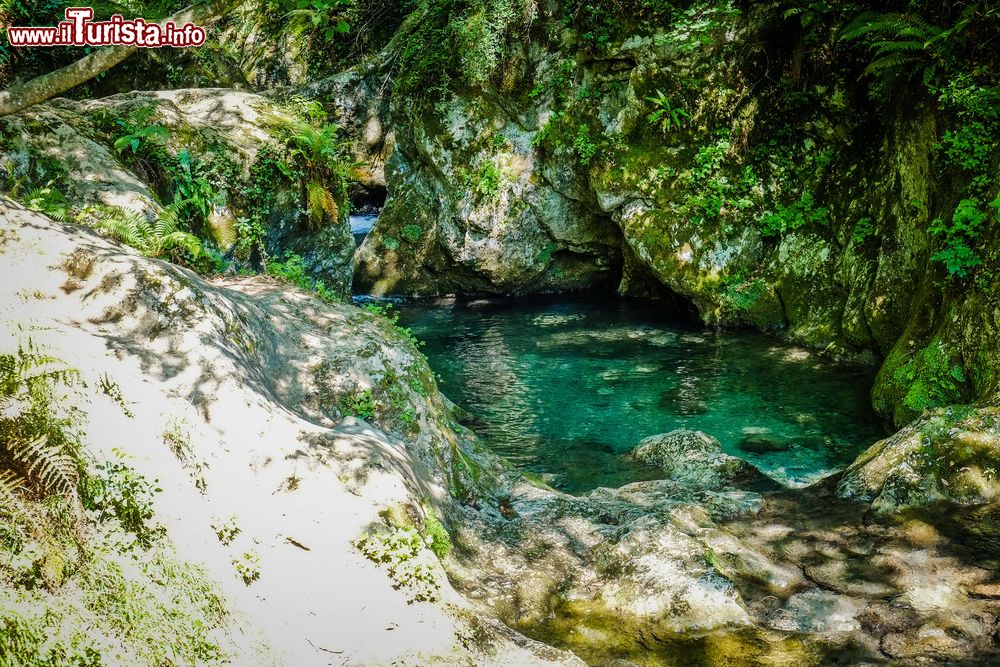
(367, 201)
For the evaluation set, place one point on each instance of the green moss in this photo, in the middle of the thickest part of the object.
(411, 232)
(596, 634)
(930, 379)
(434, 530)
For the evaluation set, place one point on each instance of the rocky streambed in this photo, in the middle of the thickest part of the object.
(684, 549)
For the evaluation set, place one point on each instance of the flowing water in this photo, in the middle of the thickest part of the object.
(564, 386)
(361, 224)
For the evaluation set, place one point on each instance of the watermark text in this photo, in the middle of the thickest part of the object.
(79, 29)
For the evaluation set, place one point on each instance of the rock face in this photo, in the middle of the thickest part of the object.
(560, 179)
(473, 209)
(696, 460)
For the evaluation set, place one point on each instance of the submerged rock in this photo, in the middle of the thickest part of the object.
(696, 459)
(762, 441)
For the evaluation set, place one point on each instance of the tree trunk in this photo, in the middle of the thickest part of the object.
(39, 89)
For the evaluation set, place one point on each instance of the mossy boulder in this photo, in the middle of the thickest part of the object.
(696, 460)
(951, 456)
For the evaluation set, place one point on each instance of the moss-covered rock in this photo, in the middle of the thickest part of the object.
(146, 150)
(949, 456)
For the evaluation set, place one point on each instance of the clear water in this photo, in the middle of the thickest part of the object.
(361, 224)
(565, 386)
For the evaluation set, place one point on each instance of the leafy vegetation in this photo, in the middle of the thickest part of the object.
(293, 270)
(315, 148)
(931, 379)
(958, 237)
(361, 404)
(86, 576)
(665, 115)
(797, 214)
(399, 549)
(160, 237)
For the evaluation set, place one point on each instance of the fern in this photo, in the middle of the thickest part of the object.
(320, 153)
(158, 238)
(320, 201)
(53, 469)
(127, 226)
(34, 445)
(29, 367)
(49, 201)
(899, 39)
(12, 487)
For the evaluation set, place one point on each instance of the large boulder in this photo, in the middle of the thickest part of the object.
(695, 459)
(951, 456)
(296, 423)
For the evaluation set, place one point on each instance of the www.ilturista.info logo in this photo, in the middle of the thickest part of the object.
(79, 30)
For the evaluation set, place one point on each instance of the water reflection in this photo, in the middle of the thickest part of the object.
(564, 386)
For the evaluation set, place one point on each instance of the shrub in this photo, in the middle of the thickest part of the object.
(958, 237)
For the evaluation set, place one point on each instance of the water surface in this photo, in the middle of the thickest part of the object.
(361, 224)
(564, 386)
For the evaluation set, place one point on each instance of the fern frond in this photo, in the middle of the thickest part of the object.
(187, 242)
(127, 226)
(885, 46)
(889, 25)
(30, 366)
(168, 220)
(54, 469)
(880, 65)
(320, 201)
(11, 488)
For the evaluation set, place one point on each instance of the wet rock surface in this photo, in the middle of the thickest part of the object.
(696, 460)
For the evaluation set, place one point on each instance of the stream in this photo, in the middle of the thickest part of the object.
(564, 386)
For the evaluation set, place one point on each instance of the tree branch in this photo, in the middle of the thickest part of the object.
(39, 89)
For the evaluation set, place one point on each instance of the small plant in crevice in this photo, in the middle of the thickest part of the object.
(226, 529)
(487, 181)
(361, 404)
(665, 115)
(247, 567)
(401, 550)
(412, 233)
(585, 146)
